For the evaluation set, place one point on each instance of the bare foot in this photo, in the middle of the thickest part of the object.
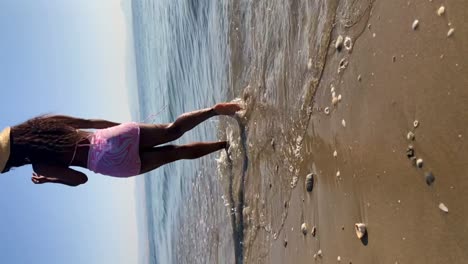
(227, 108)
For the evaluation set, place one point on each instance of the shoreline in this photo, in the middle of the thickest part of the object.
(403, 78)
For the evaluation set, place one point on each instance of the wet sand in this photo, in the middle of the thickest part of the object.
(406, 75)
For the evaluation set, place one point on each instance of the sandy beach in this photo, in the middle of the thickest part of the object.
(398, 71)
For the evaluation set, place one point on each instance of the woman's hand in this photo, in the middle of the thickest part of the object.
(38, 179)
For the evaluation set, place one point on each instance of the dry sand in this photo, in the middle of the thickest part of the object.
(406, 75)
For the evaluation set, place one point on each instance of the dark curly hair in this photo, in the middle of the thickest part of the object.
(43, 139)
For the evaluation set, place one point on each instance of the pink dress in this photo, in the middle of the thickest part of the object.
(115, 151)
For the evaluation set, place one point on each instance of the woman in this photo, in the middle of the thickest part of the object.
(54, 143)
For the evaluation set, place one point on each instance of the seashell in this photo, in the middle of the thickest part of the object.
(348, 43)
(410, 152)
(338, 259)
(338, 174)
(246, 211)
(335, 154)
(361, 230)
(343, 65)
(294, 182)
(450, 32)
(415, 24)
(327, 110)
(339, 98)
(304, 229)
(309, 182)
(419, 163)
(335, 100)
(314, 231)
(429, 178)
(443, 207)
(441, 11)
(309, 64)
(410, 136)
(339, 43)
(319, 253)
(343, 122)
(416, 123)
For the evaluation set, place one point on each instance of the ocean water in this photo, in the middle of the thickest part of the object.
(191, 54)
(182, 65)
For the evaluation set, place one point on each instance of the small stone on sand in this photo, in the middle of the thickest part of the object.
(441, 11)
(314, 231)
(335, 154)
(410, 136)
(309, 183)
(361, 230)
(338, 259)
(339, 43)
(285, 243)
(429, 178)
(319, 253)
(359, 78)
(443, 207)
(415, 24)
(339, 98)
(338, 174)
(394, 58)
(343, 123)
(304, 229)
(450, 32)
(419, 163)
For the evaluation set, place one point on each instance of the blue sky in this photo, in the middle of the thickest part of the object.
(69, 57)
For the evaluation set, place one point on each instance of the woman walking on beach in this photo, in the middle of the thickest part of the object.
(53, 143)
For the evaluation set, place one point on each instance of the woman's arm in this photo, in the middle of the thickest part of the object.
(84, 123)
(56, 174)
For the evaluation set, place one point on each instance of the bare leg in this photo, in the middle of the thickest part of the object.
(153, 135)
(158, 156)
